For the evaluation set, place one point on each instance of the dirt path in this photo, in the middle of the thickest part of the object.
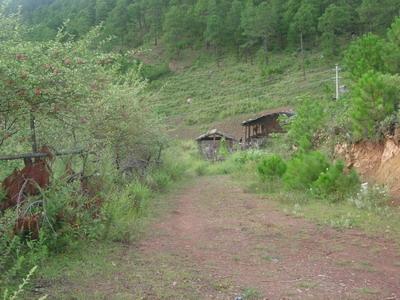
(219, 242)
(245, 240)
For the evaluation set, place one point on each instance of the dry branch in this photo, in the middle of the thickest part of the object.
(41, 155)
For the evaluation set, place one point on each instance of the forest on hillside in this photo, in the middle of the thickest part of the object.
(240, 25)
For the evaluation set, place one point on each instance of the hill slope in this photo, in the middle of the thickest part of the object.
(210, 94)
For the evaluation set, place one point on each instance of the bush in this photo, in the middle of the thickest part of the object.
(244, 157)
(309, 118)
(370, 197)
(271, 167)
(335, 185)
(304, 169)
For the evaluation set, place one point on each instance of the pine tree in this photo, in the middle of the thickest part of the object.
(103, 8)
(155, 10)
(215, 30)
(232, 24)
(337, 20)
(376, 97)
(365, 54)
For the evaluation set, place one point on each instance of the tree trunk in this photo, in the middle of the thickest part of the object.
(266, 49)
(33, 133)
(302, 55)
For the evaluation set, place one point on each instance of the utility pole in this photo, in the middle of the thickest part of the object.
(337, 69)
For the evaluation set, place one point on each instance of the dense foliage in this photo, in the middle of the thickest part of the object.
(305, 168)
(244, 25)
(335, 185)
(67, 94)
(75, 95)
(373, 63)
(271, 167)
(376, 97)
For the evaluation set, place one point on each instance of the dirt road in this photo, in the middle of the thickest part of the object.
(218, 242)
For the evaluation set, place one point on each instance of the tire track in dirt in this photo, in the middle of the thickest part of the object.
(243, 242)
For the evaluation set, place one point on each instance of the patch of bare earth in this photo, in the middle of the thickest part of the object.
(244, 244)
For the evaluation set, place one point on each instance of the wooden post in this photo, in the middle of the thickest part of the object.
(214, 149)
(33, 133)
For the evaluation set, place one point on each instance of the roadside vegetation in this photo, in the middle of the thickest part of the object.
(300, 168)
(68, 94)
(309, 185)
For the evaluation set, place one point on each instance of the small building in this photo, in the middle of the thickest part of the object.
(256, 130)
(211, 142)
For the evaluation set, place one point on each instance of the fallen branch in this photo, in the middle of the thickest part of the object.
(41, 155)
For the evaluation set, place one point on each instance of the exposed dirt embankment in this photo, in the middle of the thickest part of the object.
(377, 162)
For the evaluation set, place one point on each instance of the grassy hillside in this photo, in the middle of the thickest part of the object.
(231, 90)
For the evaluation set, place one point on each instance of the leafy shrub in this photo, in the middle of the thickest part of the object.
(310, 117)
(370, 197)
(334, 184)
(244, 157)
(304, 169)
(271, 167)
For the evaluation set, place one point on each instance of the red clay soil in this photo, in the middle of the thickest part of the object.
(247, 241)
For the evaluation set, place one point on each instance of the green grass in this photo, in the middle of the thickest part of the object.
(235, 88)
(342, 215)
(251, 294)
(380, 221)
(74, 274)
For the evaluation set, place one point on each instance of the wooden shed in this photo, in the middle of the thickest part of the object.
(210, 143)
(260, 127)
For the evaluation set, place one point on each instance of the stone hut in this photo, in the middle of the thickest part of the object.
(211, 142)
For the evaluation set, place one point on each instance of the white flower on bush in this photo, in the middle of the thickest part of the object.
(370, 197)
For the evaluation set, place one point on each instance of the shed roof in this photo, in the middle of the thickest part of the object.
(214, 133)
(271, 113)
